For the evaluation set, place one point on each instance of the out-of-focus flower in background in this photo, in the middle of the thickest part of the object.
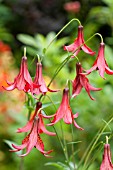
(4, 47)
(73, 7)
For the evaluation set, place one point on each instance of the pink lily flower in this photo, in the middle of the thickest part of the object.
(32, 140)
(41, 126)
(100, 63)
(38, 80)
(81, 81)
(79, 44)
(106, 162)
(64, 112)
(23, 79)
(35, 126)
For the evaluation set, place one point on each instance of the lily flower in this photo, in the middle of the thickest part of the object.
(79, 44)
(81, 81)
(36, 127)
(32, 140)
(23, 79)
(41, 126)
(106, 162)
(100, 63)
(39, 81)
(64, 112)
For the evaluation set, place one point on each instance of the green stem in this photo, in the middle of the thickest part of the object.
(58, 69)
(72, 134)
(74, 19)
(65, 146)
(51, 102)
(100, 37)
(107, 139)
(24, 51)
(62, 146)
(21, 166)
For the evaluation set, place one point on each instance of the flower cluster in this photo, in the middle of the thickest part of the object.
(37, 87)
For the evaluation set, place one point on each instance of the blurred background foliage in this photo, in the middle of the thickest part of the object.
(34, 23)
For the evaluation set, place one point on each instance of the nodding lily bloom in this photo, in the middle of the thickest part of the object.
(79, 44)
(23, 81)
(64, 111)
(106, 162)
(32, 140)
(35, 126)
(41, 127)
(100, 63)
(38, 80)
(81, 81)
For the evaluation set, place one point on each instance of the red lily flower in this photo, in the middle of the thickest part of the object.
(41, 127)
(100, 63)
(106, 162)
(79, 44)
(64, 111)
(38, 80)
(32, 140)
(81, 81)
(23, 79)
(35, 126)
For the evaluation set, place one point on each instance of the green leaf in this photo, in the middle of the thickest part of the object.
(54, 164)
(27, 39)
(108, 2)
(59, 165)
(73, 142)
(49, 104)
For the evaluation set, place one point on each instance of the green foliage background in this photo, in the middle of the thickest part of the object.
(93, 115)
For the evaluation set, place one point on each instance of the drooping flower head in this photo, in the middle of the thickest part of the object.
(41, 126)
(106, 162)
(23, 81)
(36, 126)
(79, 44)
(100, 63)
(81, 81)
(38, 80)
(64, 111)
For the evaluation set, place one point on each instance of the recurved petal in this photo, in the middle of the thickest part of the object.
(44, 130)
(77, 126)
(19, 147)
(87, 50)
(40, 147)
(76, 115)
(93, 88)
(108, 70)
(26, 128)
(9, 88)
(70, 47)
(94, 67)
(50, 90)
